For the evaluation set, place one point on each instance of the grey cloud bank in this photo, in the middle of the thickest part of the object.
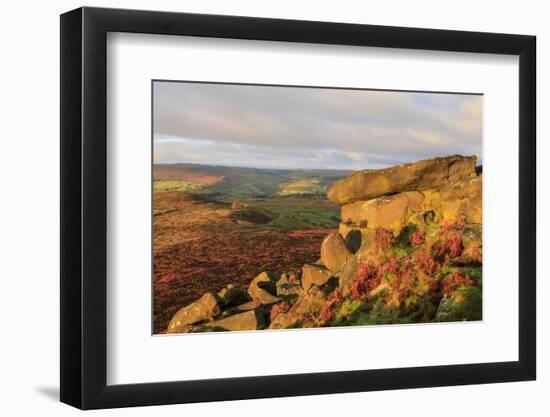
(292, 127)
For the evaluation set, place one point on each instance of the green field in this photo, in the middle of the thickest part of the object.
(282, 199)
(244, 183)
(300, 213)
(177, 185)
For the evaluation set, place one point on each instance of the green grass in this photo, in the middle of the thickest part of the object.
(176, 185)
(466, 305)
(299, 213)
(309, 186)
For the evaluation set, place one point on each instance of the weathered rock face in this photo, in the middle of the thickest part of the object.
(390, 212)
(314, 274)
(463, 198)
(345, 228)
(371, 252)
(308, 304)
(243, 321)
(282, 321)
(422, 175)
(311, 302)
(264, 288)
(205, 308)
(334, 252)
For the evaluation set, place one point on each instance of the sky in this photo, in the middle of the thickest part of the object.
(298, 127)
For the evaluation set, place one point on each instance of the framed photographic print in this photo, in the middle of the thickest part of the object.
(258, 207)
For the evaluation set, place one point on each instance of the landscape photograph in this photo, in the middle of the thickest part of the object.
(286, 207)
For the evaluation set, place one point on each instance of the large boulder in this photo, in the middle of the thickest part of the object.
(334, 252)
(371, 252)
(310, 303)
(264, 288)
(206, 308)
(347, 274)
(283, 320)
(463, 198)
(314, 274)
(416, 176)
(242, 321)
(390, 212)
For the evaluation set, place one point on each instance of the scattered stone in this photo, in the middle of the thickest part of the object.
(222, 292)
(206, 308)
(416, 176)
(234, 297)
(314, 274)
(334, 252)
(346, 274)
(264, 288)
(241, 321)
(288, 284)
(310, 303)
(282, 321)
(251, 305)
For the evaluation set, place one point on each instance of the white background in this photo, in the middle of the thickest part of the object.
(29, 213)
(133, 60)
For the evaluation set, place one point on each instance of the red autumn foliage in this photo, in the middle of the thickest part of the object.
(198, 248)
(279, 308)
(392, 266)
(335, 298)
(418, 238)
(426, 263)
(404, 280)
(383, 238)
(326, 314)
(452, 247)
(454, 281)
(367, 279)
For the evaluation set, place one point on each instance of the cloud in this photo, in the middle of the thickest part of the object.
(290, 127)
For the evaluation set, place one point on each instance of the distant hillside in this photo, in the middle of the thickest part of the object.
(230, 183)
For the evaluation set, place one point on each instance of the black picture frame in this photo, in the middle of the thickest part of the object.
(84, 207)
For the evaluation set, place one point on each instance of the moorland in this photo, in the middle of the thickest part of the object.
(216, 225)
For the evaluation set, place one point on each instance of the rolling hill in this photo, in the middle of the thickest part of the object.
(235, 183)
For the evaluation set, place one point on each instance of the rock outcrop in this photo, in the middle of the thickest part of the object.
(408, 249)
(417, 176)
(242, 321)
(314, 275)
(334, 252)
(206, 308)
(264, 288)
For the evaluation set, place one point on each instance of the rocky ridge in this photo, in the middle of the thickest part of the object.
(408, 250)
